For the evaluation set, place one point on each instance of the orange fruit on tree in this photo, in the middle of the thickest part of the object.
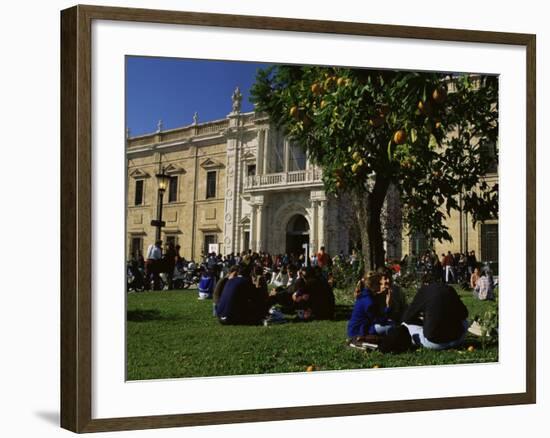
(329, 82)
(294, 112)
(310, 368)
(317, 89)
(425, 107)
(400, 136)
(340, 81)
(439, 95)
(323, 103)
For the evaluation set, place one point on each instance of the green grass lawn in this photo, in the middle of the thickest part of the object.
(172, 334)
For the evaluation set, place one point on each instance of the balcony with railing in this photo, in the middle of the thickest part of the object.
(282, 180)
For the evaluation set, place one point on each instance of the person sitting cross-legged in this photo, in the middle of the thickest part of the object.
(240, 303)
(436, 317)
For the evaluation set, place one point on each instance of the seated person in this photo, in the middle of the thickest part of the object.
(436, 318)
(281, 279)
(240, 302)
(259, 281)
(483, 289)
(292, 276)
(395, 299)
(218, 290)
(299, 300)
(206, 285)
(366, 317)
(474, 278)
(321, 298)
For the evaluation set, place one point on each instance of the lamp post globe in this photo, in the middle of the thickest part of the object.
(163, 180)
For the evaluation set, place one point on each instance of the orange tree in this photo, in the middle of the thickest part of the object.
(428, 134)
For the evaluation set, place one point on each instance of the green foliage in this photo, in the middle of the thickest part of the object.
(172, 334)
(408, 281)
(489, 323)
(363, 125)
(345, 274)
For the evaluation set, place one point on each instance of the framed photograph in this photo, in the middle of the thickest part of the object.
(269, 219)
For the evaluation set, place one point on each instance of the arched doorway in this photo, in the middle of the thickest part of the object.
(297, 234)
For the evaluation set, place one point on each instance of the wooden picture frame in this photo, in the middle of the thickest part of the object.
(76, 218)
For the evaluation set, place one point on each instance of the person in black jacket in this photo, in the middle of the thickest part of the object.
(436, 318)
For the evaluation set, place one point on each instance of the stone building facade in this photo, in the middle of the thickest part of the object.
(238, 184)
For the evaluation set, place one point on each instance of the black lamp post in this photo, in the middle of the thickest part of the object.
(163, 181)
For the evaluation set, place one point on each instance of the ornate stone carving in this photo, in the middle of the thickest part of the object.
(236, 98)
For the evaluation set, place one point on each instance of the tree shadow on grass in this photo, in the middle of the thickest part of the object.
(144, 315)
(342, 312)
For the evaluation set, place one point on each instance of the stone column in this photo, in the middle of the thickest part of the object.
(259, 228)
(315, 227)
(253, 227)
(231, 185)
(286, 166)
(322, 223)
(260, 153)
(266, 150)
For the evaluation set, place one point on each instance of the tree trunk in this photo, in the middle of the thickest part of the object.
(368, 211)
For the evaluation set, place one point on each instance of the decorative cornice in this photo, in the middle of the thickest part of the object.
(209, 163)
(139, 174)
(248, 156)
(173, 169)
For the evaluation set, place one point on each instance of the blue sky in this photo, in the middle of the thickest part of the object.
(173, 89)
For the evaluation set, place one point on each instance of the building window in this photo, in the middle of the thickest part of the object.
(489, 242)
(278, 146)
(208, 240)
(173, 189)
(489, 151)
(246, 243)
(251, 170)
(138, 198)
(297, 160)
(136, 247)
(211, 185)
(419, 243)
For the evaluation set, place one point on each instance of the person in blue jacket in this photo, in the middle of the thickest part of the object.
(370, 315)
(206, 285)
